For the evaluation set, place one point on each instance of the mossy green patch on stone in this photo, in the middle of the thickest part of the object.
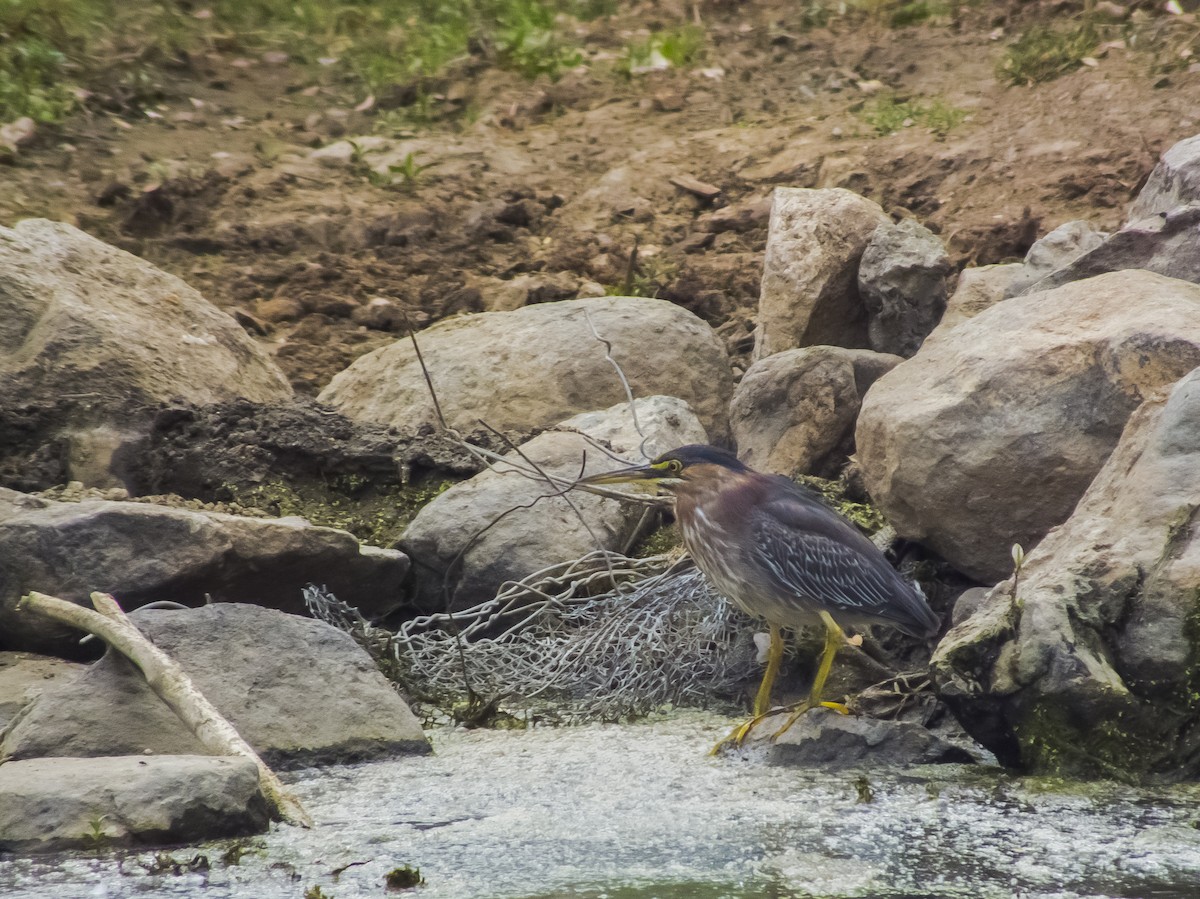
(374, 513)
(836, 496)
(1118, 744)
(658, 543)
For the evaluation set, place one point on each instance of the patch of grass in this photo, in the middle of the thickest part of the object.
(34, 82)
(528, 42)
(916, 13)
(893, 13)
(1043, 54)
(674, 48)
(36, 39)
(887, 115)
(50, 49)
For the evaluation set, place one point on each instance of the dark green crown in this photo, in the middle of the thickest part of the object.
(702, 454)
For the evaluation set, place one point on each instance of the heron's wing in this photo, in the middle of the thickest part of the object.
(811, 552)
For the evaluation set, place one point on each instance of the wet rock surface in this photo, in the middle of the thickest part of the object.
(826, 739)
(1075, 660)
(55, 804)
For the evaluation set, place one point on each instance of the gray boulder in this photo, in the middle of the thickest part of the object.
(56, 804)
(299, 691)
(89, 335)
(1056, 250)
(1165, 245)
(501, 526)
(902, 281)
(990, 437)
(809, 294)
(793, 413)
(141, 552)
(1086, 665)
(531, 368)
(1174, 182)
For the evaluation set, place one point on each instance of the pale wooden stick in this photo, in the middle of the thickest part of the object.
(173, 686)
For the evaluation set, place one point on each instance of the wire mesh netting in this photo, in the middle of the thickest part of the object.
(604, 637)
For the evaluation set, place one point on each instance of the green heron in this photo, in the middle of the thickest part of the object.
(780, 554)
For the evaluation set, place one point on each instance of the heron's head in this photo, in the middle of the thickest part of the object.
(690, 463)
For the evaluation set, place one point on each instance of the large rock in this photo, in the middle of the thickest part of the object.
(1165, 245)
(23, 677)
(61, 803)
(141, 553)
(299, 691)
(793, 413)
(902, 281)
(89, 334)
(1174, 182)
(1091, 668)
(528, 369)
(989, 437)
(1059, 248)
(809, 291)
(501, 526)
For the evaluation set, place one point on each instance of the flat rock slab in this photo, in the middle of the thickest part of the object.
(299, 691)
(141, 552)
(60, 803)
(826, 739)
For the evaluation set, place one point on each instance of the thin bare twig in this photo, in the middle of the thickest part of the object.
(624, 383)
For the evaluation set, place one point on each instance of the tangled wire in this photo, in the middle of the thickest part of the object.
(604, 637)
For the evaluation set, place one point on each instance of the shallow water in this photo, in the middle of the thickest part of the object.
(641, 811)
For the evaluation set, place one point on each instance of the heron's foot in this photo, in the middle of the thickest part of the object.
(737, 737)
(805, 706)
(840, 707)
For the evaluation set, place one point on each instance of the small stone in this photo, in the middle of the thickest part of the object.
(696, 187)
(668, 101)
(18, 133)
(279, 309)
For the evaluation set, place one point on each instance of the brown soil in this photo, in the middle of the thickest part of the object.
(562, 181)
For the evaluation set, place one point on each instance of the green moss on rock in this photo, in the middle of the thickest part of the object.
(374, 513)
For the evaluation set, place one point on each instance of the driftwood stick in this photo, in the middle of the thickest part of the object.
(173, 686)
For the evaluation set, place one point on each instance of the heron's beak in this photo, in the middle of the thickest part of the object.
(626, 476)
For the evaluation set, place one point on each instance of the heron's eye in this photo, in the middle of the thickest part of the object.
(674, 466)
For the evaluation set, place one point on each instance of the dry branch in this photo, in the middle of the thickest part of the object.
(173, 686)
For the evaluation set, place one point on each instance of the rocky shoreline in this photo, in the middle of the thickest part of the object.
(1050, 405)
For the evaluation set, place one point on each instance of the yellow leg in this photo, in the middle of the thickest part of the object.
(834, 638)
(762, 700)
